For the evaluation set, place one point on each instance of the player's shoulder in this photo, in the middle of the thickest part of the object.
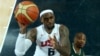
(33, 30)
(63, 26)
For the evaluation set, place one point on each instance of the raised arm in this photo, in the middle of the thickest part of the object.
(32, 34)
(24, 40)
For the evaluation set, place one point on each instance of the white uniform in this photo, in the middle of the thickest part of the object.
(44, 48)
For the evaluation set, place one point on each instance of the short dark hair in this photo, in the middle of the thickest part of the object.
(78, 34)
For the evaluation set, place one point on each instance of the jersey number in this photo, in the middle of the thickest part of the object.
(51, 51)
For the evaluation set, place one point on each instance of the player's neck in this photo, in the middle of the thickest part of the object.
(77, 50)
(48, 30)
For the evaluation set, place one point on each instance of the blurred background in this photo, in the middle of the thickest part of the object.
(77, 15)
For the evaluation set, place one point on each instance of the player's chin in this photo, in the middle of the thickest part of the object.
(81, 45)
(50, 26)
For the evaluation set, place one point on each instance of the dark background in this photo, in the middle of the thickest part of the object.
(77, 15)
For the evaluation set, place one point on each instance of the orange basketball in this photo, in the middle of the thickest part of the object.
(26, 12)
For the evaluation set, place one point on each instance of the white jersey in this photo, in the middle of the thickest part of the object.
(44, 48)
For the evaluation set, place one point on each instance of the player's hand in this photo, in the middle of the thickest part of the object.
(54, 42)
(22, 27)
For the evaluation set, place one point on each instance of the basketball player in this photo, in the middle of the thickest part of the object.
(52, 39)
(79, 42)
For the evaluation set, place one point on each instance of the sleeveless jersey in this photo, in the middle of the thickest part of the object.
(44, 47)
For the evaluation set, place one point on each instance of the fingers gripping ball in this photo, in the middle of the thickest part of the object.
(26, 12)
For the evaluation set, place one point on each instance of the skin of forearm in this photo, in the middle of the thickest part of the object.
(62, 51)
(23, 30)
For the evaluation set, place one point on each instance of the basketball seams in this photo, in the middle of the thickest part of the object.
(26, 21)
(35, 13)
(18, 10)
(26, 12)
(23, 11)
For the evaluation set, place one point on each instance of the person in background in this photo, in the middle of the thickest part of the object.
(78, 44)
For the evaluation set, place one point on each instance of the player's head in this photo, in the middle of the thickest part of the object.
(80, 39)
(47, 18)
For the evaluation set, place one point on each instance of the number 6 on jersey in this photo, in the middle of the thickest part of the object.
(51, 51)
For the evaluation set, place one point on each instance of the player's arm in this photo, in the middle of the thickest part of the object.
(64, 46)
(23, 43)
(32, 34)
